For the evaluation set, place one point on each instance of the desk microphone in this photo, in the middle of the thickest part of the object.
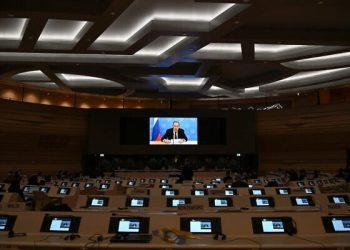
(12, 234)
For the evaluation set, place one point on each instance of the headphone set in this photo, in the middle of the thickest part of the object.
(219, 236)
(72, 237)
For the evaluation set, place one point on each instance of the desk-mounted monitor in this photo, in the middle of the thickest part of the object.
(336, 224)
(174, 202)
(128, 225)
(262, 201)
(60, 224)
(302, 201)
(273, 225)
(63, 191)
(137, 202)
(7, 222)
(220, 202)
(202, 225)
(97, 201)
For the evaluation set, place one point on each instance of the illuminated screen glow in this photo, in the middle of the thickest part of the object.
(161, 131)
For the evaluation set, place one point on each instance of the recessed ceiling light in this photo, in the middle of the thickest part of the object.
(275, 52)
(11, 31)
(307, 78)
(123, 29)
(86, 81)
(222, 51)
(62, 34)
(334, 60)
(192, 81)
(160, 45)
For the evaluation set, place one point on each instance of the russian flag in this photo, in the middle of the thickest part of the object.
(156, 130)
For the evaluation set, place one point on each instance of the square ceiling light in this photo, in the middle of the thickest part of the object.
(62, 34)
(143, 16)
(11, 32)
(83, 81)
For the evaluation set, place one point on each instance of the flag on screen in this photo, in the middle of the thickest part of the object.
(156, 130)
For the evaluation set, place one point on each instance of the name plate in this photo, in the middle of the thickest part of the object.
(190, 207)
(13, 206)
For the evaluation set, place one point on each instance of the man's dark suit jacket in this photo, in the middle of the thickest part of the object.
(169, 134)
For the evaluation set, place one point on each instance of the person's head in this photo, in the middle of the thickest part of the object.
(176, 126)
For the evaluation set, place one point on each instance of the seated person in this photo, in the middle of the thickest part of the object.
(228, 177)
(174, 133)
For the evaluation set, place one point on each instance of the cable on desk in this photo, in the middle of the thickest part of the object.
(308, 240)
(241, 238)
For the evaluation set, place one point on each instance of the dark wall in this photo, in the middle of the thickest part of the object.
(220, 132)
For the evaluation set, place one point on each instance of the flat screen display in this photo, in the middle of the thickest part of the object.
(137, 202)
(338, 199)
(104, 186)
(128, 225)
(338, 224)
(63, 191)
(220, 202)
(98, 201)
(230, 192)
(44, 189)
(201, 225)
(283, 191)
(262, 202)
(302, 201)
(173, 131)
(199, 192)
(64, 224)
(7, 222)
(174, 202)
(272, 225)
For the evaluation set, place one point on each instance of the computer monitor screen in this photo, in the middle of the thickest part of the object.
(98, 201)
(174, 202)
(173, 131)
(89, 184)
(63, 191)
(199, 192)
(170, 192)
(201, 225)
(283, 191)
(220, 202)
(302, 201)
(309, 190)
(137, 202)
(104, 186)
(129, 225)
(44, 189)
(256, 191)
(336, 224)
(7, 222)
(60, 224)
(230, 192)
(338, 199)
(272, 225)
(262, 201)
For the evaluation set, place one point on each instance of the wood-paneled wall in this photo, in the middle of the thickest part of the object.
(39, 137)
(48, 138)
(314, 137)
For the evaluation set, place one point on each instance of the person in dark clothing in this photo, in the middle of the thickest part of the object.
(227, 178)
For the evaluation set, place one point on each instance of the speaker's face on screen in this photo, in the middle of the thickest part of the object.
(176, 126)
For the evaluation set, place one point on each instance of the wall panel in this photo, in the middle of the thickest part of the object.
(311, 137)
(39, 137)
